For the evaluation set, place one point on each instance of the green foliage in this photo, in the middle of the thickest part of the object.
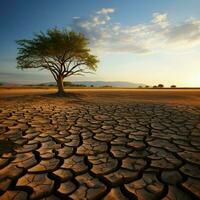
(79, 85)
(67, 83)
(51, 85)
(70, 84)
(63, 52)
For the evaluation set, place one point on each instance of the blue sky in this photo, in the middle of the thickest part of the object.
(146, 41)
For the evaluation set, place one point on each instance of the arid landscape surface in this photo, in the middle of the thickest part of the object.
(100, 144)
(167, 96)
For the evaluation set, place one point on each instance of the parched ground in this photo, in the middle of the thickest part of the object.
(100, 144)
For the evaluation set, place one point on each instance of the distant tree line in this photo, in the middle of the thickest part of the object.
(156, 86)
(70, 84)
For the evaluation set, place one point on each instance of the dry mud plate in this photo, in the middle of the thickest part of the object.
(91, 151)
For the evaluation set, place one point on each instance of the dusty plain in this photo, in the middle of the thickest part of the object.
(100, 144)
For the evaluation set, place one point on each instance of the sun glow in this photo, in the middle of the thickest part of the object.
(198, 80)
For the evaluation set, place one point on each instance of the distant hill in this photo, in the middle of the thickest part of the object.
(103, 83)
(108, 83)
(90, 83)
(10, 84)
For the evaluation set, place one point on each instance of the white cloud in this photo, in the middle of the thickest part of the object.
(160, 19)
(105, 11)
(188, 31)
(156, 35)
(76, 17)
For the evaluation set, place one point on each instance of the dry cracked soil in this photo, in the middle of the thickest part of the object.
(52, 148)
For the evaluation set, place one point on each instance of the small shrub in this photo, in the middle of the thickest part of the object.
(173, 86)
(160, 86)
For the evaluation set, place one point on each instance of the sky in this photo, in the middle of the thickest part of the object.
(139, 41)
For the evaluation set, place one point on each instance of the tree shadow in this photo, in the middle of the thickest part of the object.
(51, 98)
(68, 96)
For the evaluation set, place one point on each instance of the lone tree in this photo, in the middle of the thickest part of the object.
(64, 53)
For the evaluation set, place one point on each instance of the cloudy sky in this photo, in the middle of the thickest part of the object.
(145, 41)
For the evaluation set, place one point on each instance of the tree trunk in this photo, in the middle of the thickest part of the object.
(60, 85)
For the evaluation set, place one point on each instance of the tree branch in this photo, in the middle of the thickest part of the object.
(52, 67)
(66, 68)
(73, 68)
(55, 77)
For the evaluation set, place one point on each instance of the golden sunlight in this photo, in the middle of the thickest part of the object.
(197, 80)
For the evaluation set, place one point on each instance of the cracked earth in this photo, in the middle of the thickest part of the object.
(116, 151)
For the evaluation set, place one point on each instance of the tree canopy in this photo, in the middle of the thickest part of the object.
(64, 53)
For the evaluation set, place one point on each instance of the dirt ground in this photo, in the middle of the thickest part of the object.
(110, 144)
(169, 96)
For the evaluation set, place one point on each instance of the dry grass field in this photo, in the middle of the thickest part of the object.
(166, 96)
(100, 144)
